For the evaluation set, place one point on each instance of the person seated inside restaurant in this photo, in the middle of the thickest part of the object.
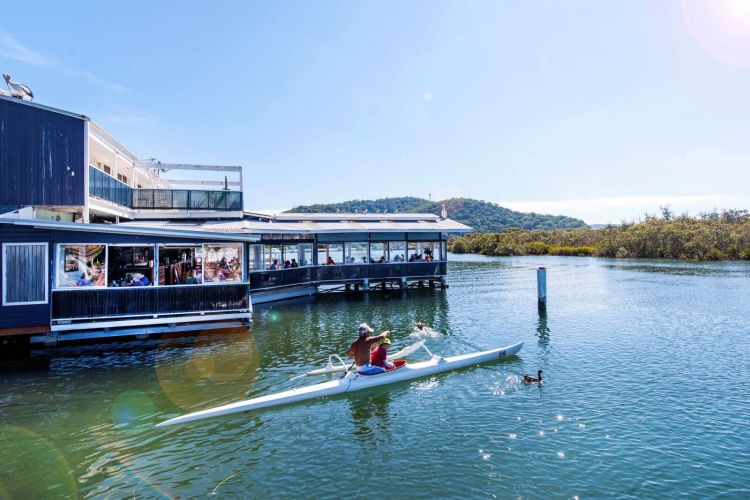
(330, 261)
(287, 264)
(84, 280)
(381, 260)
(142, 278)
(294, 264)
(220, 276)
(192, 278)
(133, 282)
(413, 257)
(275, 265)
(379, 356)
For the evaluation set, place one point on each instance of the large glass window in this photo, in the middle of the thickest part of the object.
(290, 257)
(81, 265)
(397, 251)
(256, 258)
(273, 257)
(24, 273)
(305, 254)
(420, 251)
(130, 266)
(356, 252)
(180, 265)
(297, 255)
(330, 254)
(222, 263)
(378, 252)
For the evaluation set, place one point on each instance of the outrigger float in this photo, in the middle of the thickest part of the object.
(352, 381)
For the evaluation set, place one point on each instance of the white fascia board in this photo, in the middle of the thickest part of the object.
(122, 229)
(109, 208)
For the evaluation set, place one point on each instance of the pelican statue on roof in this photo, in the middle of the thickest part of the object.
(18, 90)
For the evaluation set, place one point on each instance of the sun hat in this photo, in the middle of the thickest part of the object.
(386, 341)
(364, 329)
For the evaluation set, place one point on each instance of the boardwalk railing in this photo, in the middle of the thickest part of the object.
(108, 188)
(109, 303)
(260, 280)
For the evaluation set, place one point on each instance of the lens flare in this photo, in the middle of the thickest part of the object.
(720, 27)
(133, 409)
(23, 454)
(218, 364)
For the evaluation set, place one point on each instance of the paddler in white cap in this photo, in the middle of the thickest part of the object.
(361, 348)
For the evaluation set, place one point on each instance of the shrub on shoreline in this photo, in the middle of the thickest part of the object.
(712, 236)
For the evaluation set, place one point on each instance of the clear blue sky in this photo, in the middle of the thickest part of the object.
(597, 109)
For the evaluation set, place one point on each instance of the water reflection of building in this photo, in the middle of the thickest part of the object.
(98, 243)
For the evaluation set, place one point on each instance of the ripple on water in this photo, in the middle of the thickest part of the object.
(635, 403)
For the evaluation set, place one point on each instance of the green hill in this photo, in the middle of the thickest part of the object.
(481, 215)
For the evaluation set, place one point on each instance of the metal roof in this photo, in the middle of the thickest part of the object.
(353, 217)
(46, 108)
(308, 227)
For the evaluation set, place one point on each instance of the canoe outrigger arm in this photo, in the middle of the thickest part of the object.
(352, 382)
(399, 355)
(335, 368)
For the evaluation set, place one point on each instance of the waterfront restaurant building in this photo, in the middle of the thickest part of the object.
(96, 243)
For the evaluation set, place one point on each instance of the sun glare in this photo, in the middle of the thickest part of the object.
(720, 27)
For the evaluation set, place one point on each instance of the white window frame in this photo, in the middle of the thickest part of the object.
(46, 273)
(92, 287)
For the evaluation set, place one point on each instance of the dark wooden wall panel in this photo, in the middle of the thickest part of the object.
(28, 315)
(41, 156)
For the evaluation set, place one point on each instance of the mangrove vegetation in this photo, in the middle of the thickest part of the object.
(710, 236)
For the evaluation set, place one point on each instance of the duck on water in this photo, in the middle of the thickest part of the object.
(530, 379)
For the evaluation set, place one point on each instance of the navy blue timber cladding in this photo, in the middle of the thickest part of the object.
(111, 303)
(31, 315)
(41, 156)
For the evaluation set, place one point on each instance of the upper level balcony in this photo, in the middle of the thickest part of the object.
(144, 202)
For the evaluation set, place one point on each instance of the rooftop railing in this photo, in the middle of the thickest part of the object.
(110, 189)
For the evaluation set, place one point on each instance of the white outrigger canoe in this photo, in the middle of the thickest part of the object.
(352, 381)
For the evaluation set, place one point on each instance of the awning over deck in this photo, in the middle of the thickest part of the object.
(319, 224)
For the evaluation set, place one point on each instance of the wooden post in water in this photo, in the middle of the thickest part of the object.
(541, 288)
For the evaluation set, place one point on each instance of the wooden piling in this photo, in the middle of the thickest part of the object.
(541, 288)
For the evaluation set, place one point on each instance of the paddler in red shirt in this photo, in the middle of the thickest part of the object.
(380, 354)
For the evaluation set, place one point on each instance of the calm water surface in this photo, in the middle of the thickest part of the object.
(647, 372)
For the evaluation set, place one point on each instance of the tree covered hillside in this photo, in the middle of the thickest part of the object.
(481, 215)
